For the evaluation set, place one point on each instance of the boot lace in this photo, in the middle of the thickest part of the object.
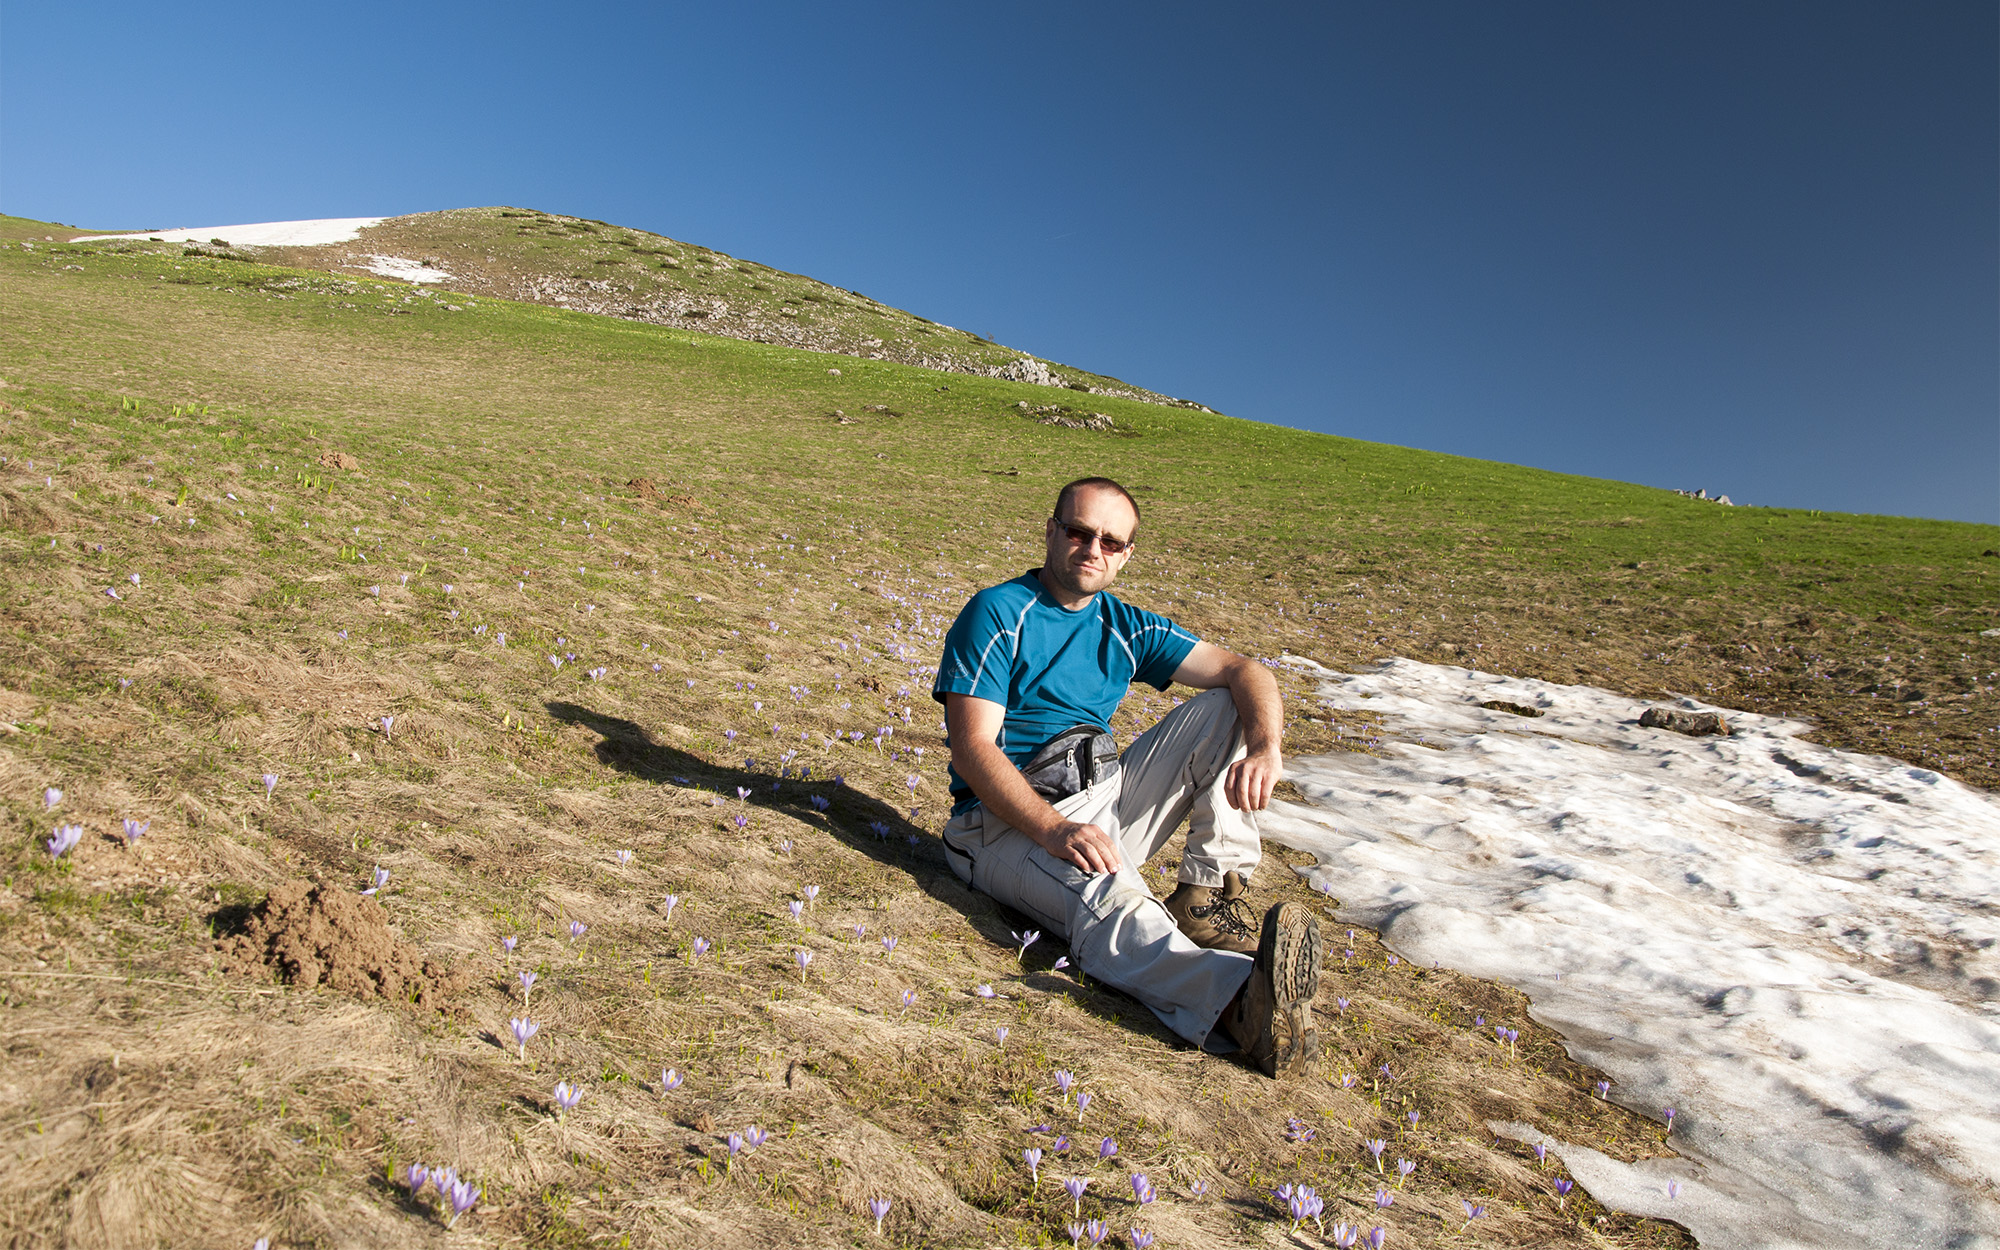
(1229, 915)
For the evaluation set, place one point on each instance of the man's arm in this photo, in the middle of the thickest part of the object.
(1258, 705)
(976, 754)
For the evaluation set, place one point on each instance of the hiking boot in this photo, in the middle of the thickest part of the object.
(1271, 1017)
(1217, 919)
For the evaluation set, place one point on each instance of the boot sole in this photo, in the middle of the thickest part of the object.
(1290, 949)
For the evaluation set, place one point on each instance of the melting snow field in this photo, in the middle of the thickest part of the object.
(260, 234)
(1796, 948)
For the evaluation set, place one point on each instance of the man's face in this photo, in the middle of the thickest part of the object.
(1084, 568)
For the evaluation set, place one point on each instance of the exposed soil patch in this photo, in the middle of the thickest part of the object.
(308, 935)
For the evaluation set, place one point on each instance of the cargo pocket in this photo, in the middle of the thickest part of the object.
(1049, 888)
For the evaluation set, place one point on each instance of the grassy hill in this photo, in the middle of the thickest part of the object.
(721, 568)
(593, 266)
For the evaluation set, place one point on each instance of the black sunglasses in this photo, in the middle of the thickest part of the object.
(1081, 537)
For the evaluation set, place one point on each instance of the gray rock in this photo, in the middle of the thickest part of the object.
(1696, 724)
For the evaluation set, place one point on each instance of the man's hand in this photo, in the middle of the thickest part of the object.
(1250, 780)
(1086, 846)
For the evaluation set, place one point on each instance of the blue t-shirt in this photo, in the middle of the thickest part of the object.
(1051, 668)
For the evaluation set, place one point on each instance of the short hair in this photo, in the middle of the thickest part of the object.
(1100, 483)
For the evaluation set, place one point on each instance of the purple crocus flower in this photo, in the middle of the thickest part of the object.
(741, 822)
(1198, 1189)
(1062, 961)
(1384, 1199)
(670, 1080)
(65, 839)
(1563, 1186)
(888, 946)
(1376, 1236)
(377, 879)
(51, 797)
(523, 1029)
(742, 792)
(507, 945)
(1669, 1113)
(1106, 1148)
(984, 991)
(567, 1097)
(811, 893)
(1000, 1036)
(1027, 938)
(1673, 1189)
(796, 907)
(416, 1178)
(1403, 1169)
(1142, 1189)
(623, 857)
(270, 783)
(1074, 1187)
(388, 724)
(1060, 1145)
(670, 902)
(1375, 1147)
(1082, 1104)
(1032, 1156)
(804, 957)
(1097, 1231)
(527, 983)
(698, 948)
(1064, 1079)
(134, 830)
(860, 931)
(909, 999)
(1473, 1211)
(754, 1137)
(879, 1208)
(577, 929)
(1075, 1231)
(734, 1142)
(1141, 1239)
(1603, 1089)
(1414, 1116)
(462, 1196)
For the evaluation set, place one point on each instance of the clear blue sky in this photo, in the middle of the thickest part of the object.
(1748, 247)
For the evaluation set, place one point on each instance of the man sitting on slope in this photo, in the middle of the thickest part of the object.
(1051, 821)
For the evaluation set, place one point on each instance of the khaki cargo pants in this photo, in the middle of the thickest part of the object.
(1117, 930)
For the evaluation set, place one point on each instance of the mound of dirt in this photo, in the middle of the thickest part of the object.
(308, 935)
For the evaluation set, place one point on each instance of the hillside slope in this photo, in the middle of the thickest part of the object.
(595, 267)
(315, 577)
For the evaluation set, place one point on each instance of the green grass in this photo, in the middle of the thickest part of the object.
(498, 446)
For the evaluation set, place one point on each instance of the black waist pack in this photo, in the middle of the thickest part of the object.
(1072, 762)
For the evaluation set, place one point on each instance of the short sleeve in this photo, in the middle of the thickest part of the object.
(1158, 647)
(978, 650)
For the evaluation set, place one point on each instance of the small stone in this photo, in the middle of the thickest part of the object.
(1695, 724)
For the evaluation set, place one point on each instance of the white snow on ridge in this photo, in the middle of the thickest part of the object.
(1797, 948)
(404, 270)
(260, 234)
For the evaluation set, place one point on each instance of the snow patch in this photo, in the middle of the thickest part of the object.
(1797, 948)
(313, 233)
(404, 270)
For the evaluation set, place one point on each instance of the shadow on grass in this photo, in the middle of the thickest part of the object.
(866, 824)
